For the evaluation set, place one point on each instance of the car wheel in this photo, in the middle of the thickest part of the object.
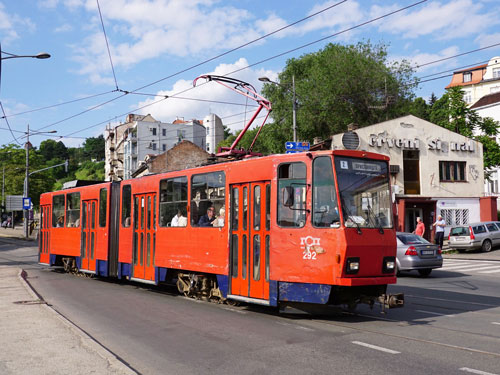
(425, 272)
(486, 246)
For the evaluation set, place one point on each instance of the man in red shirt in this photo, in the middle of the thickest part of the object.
(420, 229)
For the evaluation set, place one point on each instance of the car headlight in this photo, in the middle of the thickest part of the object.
(389, 265)
(352, 265)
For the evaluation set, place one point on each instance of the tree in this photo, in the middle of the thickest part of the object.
(420, 109)
(51, 149)
(93, 148)
(336, 86)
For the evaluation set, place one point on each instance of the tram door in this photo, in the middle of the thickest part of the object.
(144, 241)
(89, 235)
(44, 240)
(250, 228)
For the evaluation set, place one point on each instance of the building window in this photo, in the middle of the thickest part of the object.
(164, 132)
(164, 147)
(208, 131)
(467, 97)
(153, 130)
(467, 76)
(494, 186)
(455, 216)
(496, 72)
(208, 146)
(452, 171)
(411, 171)
(153, 146)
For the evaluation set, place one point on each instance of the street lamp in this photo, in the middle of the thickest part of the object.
(27, 145)
(41, 55)
(294, 103)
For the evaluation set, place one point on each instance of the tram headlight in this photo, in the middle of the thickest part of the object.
(389, 265)
(352, 265)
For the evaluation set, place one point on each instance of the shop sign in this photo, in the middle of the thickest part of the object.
(435, 144)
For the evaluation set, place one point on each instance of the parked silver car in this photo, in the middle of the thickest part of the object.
(484, 235)
(416, 253)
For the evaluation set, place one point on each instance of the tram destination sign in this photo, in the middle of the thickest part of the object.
(294, 147)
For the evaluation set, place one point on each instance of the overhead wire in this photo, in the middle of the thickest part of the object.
(107, 44)
(272, 57)
(201, 63)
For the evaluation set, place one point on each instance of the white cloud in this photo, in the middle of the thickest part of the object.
(442, 21)
(423, 58)
(168, 110)
(63, 28)
(9, 23)
(485, 40)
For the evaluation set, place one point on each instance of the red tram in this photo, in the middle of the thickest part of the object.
(312, 227)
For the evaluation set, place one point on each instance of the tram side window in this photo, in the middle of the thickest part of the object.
(325, 207)
(58, 210)
(126, 205)
(292, 195)
(208, 191)
(73, 210)
(103, 205)
(173, 202)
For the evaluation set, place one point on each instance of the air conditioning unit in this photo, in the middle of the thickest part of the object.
(394, 169)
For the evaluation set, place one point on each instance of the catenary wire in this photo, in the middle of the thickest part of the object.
(107, 44)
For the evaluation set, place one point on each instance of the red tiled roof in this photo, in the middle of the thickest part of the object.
(477, 76)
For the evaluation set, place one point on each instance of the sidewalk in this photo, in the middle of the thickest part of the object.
(17, 232)
(35, 339)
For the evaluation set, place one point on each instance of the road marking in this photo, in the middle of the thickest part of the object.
(495, 323)
(376, 347)
(474, 371)
(305, 328)
(481, 268)
(493, 271)
(434, 313)
(464, 267)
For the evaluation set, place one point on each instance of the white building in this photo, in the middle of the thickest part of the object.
(478, 81)
(129, 144)
(434, 171)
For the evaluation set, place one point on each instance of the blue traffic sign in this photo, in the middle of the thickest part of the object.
(26, 203)
(297, 146)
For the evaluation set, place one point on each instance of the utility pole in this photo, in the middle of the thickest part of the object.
(294, 110)
(26, 182)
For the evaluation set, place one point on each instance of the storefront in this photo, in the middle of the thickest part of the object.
(434, 171)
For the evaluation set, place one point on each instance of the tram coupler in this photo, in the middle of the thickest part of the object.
(390, 301)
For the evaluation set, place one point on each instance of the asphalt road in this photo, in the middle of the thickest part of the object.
(450, 324)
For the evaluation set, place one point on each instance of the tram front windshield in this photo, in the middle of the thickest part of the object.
(364, 192)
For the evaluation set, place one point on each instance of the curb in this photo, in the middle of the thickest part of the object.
(87, 341)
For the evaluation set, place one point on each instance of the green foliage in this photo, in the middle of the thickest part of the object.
(90, 171)
(451, 112)
(420, 109)
(93, 148)
(336, 86)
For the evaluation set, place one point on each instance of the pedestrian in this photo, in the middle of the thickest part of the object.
(439, 224)
(420, 229)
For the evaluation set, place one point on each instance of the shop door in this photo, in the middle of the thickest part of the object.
(144, 241)
(411, 218)
(44, 239)
(89, 235)
(250, 225)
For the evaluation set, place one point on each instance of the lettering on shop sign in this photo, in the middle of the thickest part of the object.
(435, 144)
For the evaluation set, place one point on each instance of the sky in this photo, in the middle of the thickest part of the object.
(158, 47)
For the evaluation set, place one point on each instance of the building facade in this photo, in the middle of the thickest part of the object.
(129, 145)
(434, 171)
(478, 81)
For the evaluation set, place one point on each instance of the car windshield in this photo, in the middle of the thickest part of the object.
(411, 239)
(364, 192)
